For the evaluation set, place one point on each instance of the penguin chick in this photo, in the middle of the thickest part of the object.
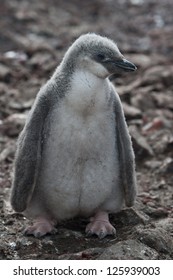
(74, 156)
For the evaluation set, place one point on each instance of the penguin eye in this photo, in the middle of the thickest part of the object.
(100, 56)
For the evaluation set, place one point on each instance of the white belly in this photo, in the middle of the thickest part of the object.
(79, 168)
(79, 164)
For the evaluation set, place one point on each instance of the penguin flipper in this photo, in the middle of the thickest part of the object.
(126, 154)
(28, 154)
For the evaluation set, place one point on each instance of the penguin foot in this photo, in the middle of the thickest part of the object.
(40, 228)
(100, 226)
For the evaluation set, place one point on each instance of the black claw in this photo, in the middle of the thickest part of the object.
(38, 234)
(101, 234)
(26, 232)
(53, 231)
(89, 233)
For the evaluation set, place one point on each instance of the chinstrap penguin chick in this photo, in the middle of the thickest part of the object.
(74, 156)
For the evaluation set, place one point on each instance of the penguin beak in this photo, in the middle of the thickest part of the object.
(125, 65)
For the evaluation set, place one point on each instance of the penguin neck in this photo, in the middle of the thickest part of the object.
(88, 92)
(86, 81)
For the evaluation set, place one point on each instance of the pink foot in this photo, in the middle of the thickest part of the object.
(100, 225)
(40, 228)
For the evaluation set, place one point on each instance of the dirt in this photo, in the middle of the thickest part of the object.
(34, 36)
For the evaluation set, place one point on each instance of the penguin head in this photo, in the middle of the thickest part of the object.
(98, 55)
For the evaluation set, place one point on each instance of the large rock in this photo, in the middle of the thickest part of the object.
(157, 238)
(128, 250)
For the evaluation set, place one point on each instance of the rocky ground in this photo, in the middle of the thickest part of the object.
(33, 38)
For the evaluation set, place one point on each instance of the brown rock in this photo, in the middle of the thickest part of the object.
(7, 152)
(13, 124)
(4, 72)
(167, 167)
(131, 112)
(141, 147)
